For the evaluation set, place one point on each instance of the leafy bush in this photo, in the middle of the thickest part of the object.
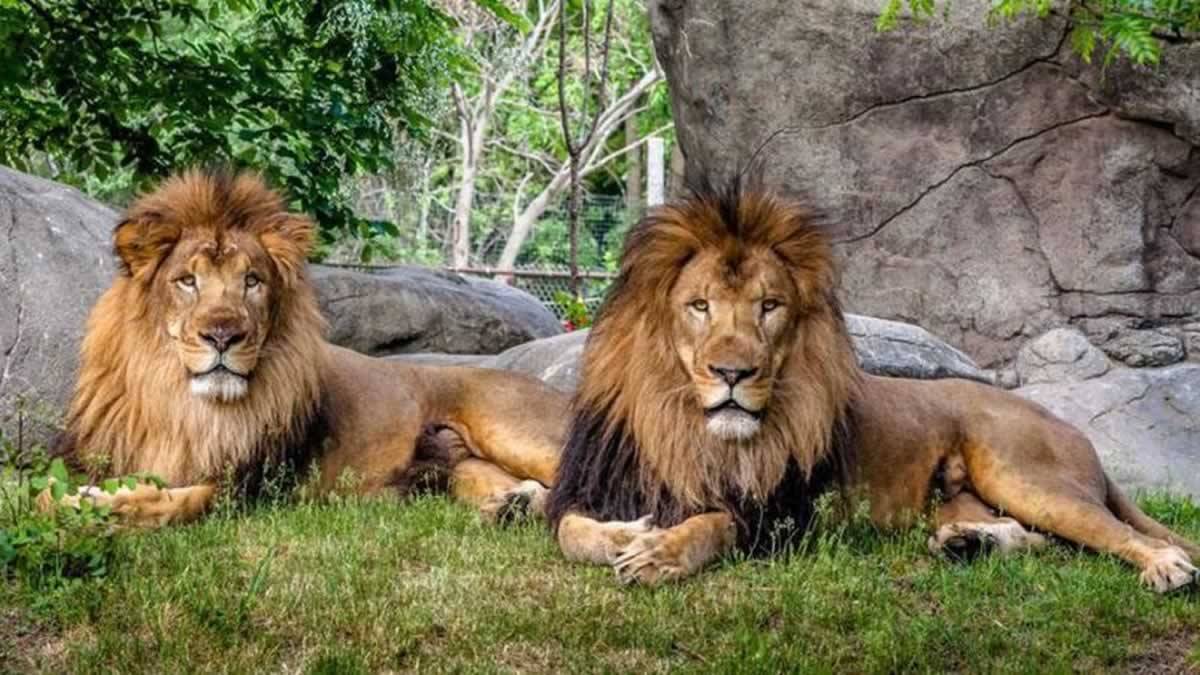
(52, 545)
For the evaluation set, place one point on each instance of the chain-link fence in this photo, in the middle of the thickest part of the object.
(424, 229)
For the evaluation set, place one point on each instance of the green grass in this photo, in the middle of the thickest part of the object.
(375, 586)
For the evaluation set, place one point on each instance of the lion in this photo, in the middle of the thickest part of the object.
(721, 396)
(204, 363)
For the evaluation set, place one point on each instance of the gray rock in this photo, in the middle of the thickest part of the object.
(55, 260)
(1060, 355)
(883, 347)
(413, 309)
(1141, 348)
(1145, 423)
(987, 197)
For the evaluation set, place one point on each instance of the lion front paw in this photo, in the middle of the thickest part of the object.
(650, 559)
(1170, 570)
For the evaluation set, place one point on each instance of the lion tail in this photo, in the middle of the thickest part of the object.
(1127, 510)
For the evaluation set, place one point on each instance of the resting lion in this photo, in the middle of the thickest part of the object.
(721, 395)
(205, 362)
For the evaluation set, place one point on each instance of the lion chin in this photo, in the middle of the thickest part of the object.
(220, 385)
(732, 424)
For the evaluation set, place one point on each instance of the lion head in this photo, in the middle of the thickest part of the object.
(719, 362)
(205, 351)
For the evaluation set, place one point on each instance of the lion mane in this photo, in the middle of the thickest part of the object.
(637, 444)
(132, 412)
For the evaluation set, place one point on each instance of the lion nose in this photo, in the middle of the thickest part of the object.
(732, 375)
(223, 337)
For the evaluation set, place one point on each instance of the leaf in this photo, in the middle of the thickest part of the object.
(58, 471)
(502, 12)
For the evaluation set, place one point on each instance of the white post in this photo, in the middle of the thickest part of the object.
(655, 171)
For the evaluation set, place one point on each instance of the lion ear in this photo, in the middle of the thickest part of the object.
(142, 241)
(288, 242)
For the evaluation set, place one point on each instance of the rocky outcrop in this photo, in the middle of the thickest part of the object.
(413, 309)
(1061, 355)
(883, 347)
(981, 181)
(55, 261)
(1145, 423)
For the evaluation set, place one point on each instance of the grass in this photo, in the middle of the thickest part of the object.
(370, 586)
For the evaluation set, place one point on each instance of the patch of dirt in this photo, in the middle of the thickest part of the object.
(1167, 655)
(27, 645)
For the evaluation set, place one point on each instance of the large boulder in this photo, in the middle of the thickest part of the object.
(412, 309)
(883, 347)
(55, 261)
(981, 181)
(1143, 423)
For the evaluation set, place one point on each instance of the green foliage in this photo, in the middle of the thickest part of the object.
(1133, 28)
(112, 94)
(578, 315)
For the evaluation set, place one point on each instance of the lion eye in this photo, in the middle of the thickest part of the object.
(770, 306)
(187, 281)
(252, 280)
(699, 305)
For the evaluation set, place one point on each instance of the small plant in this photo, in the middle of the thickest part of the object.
(578, 316)
(47, 539)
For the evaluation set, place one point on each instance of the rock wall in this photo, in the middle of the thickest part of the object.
(981, 182)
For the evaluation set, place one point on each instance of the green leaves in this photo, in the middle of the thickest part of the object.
(1131, 28)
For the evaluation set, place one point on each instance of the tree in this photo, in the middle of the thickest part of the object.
(308, 92)
(1135, 28)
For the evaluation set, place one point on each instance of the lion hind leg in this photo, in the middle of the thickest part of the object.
(500, 497)
(1060, 510)
(967, 528)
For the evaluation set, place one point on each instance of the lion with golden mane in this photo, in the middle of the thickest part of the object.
(205, 362)
(721, 395)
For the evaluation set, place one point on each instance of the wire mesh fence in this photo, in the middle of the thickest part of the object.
(541, 265)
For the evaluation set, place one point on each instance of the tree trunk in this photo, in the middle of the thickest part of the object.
(633, 171)
(678, 170)
(460, 252)
(573, 224)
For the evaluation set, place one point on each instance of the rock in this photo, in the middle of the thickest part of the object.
(1140, 348)
(413, 309)
(55, 260)
(988, 197)
(883, 347)
(1060, 355)
(1191, 340)
(1145, 423)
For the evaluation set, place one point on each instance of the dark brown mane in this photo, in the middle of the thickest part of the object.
(636, 444)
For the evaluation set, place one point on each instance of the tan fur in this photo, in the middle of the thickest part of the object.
(214, 260)
(697, 280)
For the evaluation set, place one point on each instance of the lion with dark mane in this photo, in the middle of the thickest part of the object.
(205, 362)
(721, 396)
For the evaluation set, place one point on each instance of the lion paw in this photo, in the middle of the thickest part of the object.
(1170, 570)
(524, 502)
(650, 559)
(967, 541)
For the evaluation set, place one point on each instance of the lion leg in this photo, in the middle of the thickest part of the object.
(966, 528)
(500, 496)
(1053, 502)
(662, 555)
(584, 539)
(149, 506)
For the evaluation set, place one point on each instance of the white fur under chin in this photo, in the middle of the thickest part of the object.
(733, 425)
(223, 387)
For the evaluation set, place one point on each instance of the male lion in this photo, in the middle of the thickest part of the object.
(721, 395)
(205, 361)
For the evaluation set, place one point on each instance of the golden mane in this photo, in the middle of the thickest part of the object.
(132, 410)
(635, 422)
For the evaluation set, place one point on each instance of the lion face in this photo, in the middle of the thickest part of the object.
(733, 319)
(216, 296)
